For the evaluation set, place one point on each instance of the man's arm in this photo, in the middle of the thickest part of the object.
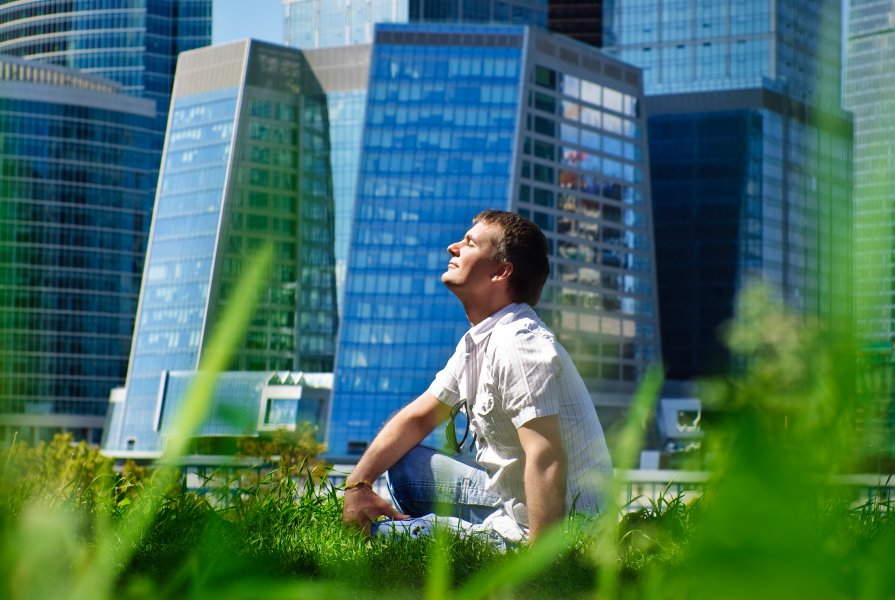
(404, 431)
(545, 472)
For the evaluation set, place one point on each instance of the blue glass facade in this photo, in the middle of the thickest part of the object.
(133, 42)
(246, 163)
(520, 12)
(790, 46)
(77, 177)
(178, 272)
(464, 118)
(332, 23)
(437, 149)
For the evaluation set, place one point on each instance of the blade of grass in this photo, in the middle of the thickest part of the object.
(112, 554)
(437, 584)
(516, 569)
(627, 448)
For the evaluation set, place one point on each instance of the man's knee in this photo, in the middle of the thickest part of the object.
(411, 482)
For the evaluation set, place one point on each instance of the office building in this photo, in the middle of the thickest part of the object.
(343, 74)
(789, 46)
(750, 160)
(869, 92)
(133, 42)
(333, 23)
(76, 184)
(464, 118)
(336, 35)
(92, 197)
(246, 163)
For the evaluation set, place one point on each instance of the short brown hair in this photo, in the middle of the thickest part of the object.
(522, 244)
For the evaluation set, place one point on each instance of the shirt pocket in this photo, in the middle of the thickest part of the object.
(490, 420)
(484, 404)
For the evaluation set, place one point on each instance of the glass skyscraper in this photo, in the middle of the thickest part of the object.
(869, 93)
(343, 74)
(134, 43)
(336, 35)
(463, 118)
(330, 23)
(77, 174)
(750, 159)
(246, 162)
(789, 46)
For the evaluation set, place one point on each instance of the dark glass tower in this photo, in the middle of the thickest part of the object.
(751, 160)
(579, 19)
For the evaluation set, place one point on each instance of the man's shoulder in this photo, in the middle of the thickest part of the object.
(523, 330)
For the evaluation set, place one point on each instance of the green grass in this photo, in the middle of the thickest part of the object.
(802, 410)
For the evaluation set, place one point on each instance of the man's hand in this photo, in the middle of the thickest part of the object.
(404, 431)
(363, 506)
(545, 473)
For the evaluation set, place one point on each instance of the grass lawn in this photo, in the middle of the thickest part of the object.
(805, 407)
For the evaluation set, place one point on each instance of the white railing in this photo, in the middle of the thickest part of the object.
(637, 487)
(640, 488)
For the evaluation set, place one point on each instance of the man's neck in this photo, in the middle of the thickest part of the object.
(478, 311)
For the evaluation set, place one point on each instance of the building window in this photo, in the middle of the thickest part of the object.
(357, 447)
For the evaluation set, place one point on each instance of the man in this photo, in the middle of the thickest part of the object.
(540, 447)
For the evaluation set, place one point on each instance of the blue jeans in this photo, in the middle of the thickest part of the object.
(426, 481)
(439, 490)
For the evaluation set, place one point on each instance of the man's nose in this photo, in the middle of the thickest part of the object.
(454, 249)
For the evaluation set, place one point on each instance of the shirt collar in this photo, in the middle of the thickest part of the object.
(481, 331)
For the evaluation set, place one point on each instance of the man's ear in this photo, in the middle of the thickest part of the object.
(502, 272)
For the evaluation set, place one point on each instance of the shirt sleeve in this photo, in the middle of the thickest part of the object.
(446, 386)
(527, 373)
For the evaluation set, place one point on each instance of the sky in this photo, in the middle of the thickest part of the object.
(240, 19)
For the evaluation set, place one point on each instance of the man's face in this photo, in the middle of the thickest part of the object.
(470, 268)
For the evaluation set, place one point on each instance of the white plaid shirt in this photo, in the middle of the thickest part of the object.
(514, 370)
